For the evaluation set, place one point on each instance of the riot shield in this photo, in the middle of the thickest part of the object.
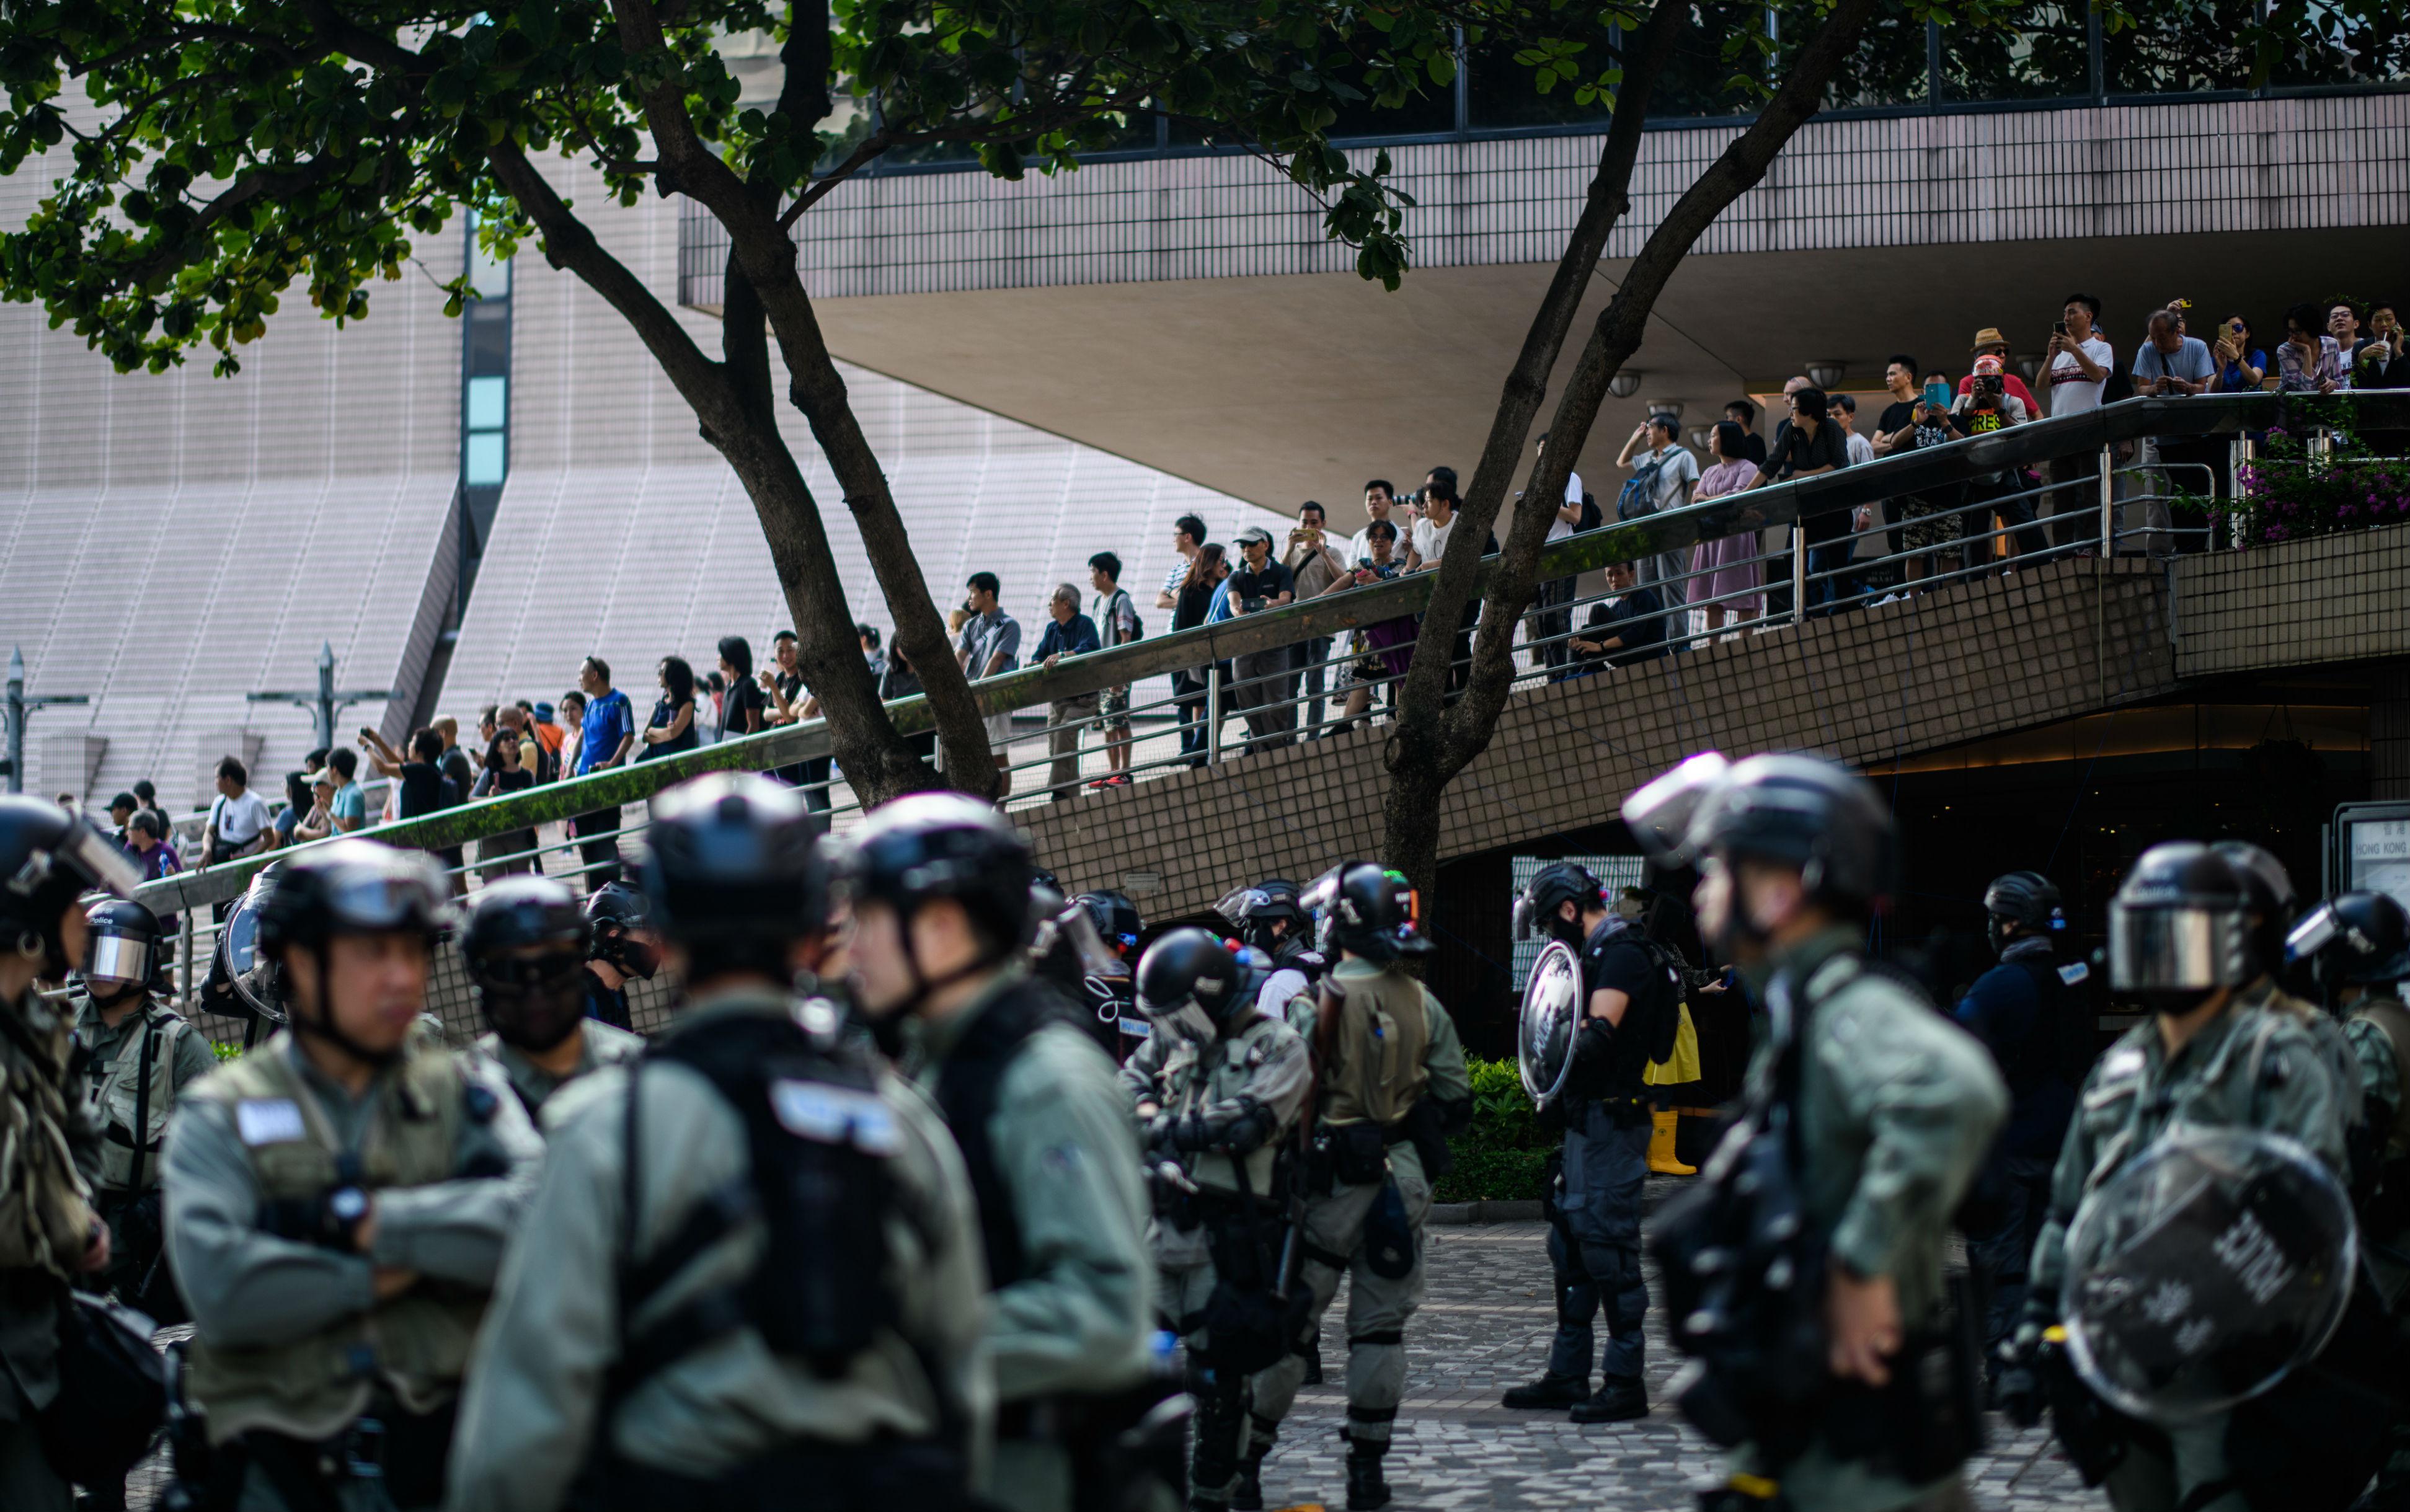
(2201, 1273)
(1543, 1033)
(253, 974)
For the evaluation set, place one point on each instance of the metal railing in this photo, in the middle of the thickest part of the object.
(1262, 667)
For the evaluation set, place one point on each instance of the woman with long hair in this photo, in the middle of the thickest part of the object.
(747, 710)
(1206, 570)
(671, 729)
(2241, 365)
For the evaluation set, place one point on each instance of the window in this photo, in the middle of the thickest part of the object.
(1500, 92)
(2181, 48)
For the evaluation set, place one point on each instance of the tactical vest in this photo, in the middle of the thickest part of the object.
(2393, 1020)
(416, 1345)
(967, 1090)
(1376, 1072)
(1198, 1085)
(135, 1098)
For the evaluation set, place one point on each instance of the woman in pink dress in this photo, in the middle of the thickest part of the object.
(1729, 565)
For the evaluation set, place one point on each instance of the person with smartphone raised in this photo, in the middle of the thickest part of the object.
(2080, 361)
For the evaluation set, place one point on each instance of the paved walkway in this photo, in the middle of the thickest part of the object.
(1486, 1327)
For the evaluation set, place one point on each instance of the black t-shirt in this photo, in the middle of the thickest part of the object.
(1266, 582)
(1895, 417)
(1196, 599)
(422, 789)
(1619, 963)
(1638, 618)
(744, 695)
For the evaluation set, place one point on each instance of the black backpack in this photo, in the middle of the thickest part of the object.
(1662, 1024)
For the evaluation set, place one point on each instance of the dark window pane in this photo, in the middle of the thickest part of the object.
(2181, 48)
(2043, 55)
(2337, 46)
(1693, 82)
(1887, 69)
(1501, 93)
(1430, 111)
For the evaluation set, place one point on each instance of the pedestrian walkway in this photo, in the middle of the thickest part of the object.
(1484, 1328)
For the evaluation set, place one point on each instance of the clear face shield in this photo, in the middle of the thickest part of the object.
(2178, 950)
(97, 857)
(1661, 814)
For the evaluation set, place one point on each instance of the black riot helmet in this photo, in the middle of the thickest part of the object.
(735, 875)
(2181, 927)
(524, 942)
(1367, 911)
(1256, 908)
(1557, 884)
(945, 845)
(2026, 899)
(49, 858)
(1116, 917)
(1810, 813)
(121, 950)
(2353, 940)
(1194, 986)
(616, 916)
(346, 887)
(2272, 898)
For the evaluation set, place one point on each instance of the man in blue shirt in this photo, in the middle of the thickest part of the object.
(604, 737)
(1070, 633)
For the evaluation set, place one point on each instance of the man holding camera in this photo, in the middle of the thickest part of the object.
(1263, 683)
(1315, 563)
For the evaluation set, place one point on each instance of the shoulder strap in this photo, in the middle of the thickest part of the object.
(968, 1088)
(152, 1030)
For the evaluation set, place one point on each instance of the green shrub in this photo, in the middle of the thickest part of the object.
(1501, 1156)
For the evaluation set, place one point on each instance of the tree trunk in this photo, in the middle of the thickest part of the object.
(1431, 743)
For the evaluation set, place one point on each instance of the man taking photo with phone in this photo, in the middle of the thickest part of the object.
(2079, 360)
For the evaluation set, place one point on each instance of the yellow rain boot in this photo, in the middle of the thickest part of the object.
(1660, 1145)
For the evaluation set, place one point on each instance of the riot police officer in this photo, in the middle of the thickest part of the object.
(338, 1203)
(939, 885)
(2030, 1014)
(1805, 1278)
(1271, 917)
(1391, 1087)
(525, 948)
(1626, 991)
(1217, 1090)
(50, 1141)
(1077, 946)
(751, 1271)
(2220, 1050)
(624, 947)
(141, 1057)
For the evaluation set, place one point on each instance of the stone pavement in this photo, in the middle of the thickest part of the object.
(1485, 1326)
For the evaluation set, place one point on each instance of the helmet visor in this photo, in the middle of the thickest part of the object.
(2319, 928)
(117, 958)
(1660, 815)
(102, 864)
(408, 898)
(2180, 950)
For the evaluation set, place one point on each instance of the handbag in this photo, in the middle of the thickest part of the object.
(112, 1392)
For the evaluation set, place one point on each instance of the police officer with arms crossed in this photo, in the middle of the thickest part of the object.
(142, 1057)
(2031, 1015)
(49, 1141)
(525, 945)
(1595, 1245)
(1217, 1088)
(624, 947)
(939, 885)
(751, 1274)
(338, 1201)
(1889, 1107)
(1392, 1085)
(2220, 1050)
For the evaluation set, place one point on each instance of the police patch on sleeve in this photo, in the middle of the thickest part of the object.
(836, 1116)
(268, 1121)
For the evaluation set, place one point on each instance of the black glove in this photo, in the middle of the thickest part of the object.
(2019, 1391)
(1593, 1050)
(330, 1220)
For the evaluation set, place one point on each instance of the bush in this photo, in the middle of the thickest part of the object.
(1499, 1157)
(2291, 491)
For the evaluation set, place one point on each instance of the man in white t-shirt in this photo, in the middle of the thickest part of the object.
(1380, 498)
(237, 825)
(2079, 367)
(1552, 615)
(1653, 453)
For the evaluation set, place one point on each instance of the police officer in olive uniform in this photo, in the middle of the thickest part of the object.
(2221, 1049)
(939, 885)
(625, 947)
(142, 1056)
(2274, 907)
(1595, 1245)
(1891, 1108)
(2029, 1013)
(50, 1139)
(750, 1278)
(1391, 1087)
(1217, 1088)
(1269, 916)
(338, 1203)
(525, 948)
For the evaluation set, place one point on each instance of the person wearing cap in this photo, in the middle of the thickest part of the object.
(1265, 681)
(49, 1141)
(1989, 342)
(120, 810)
(338, 1201)
(752, 1278)
(143, 1058)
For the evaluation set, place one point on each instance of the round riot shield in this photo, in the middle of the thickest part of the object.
(239, 956)
(1543, 1035)
(2204, 1271)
